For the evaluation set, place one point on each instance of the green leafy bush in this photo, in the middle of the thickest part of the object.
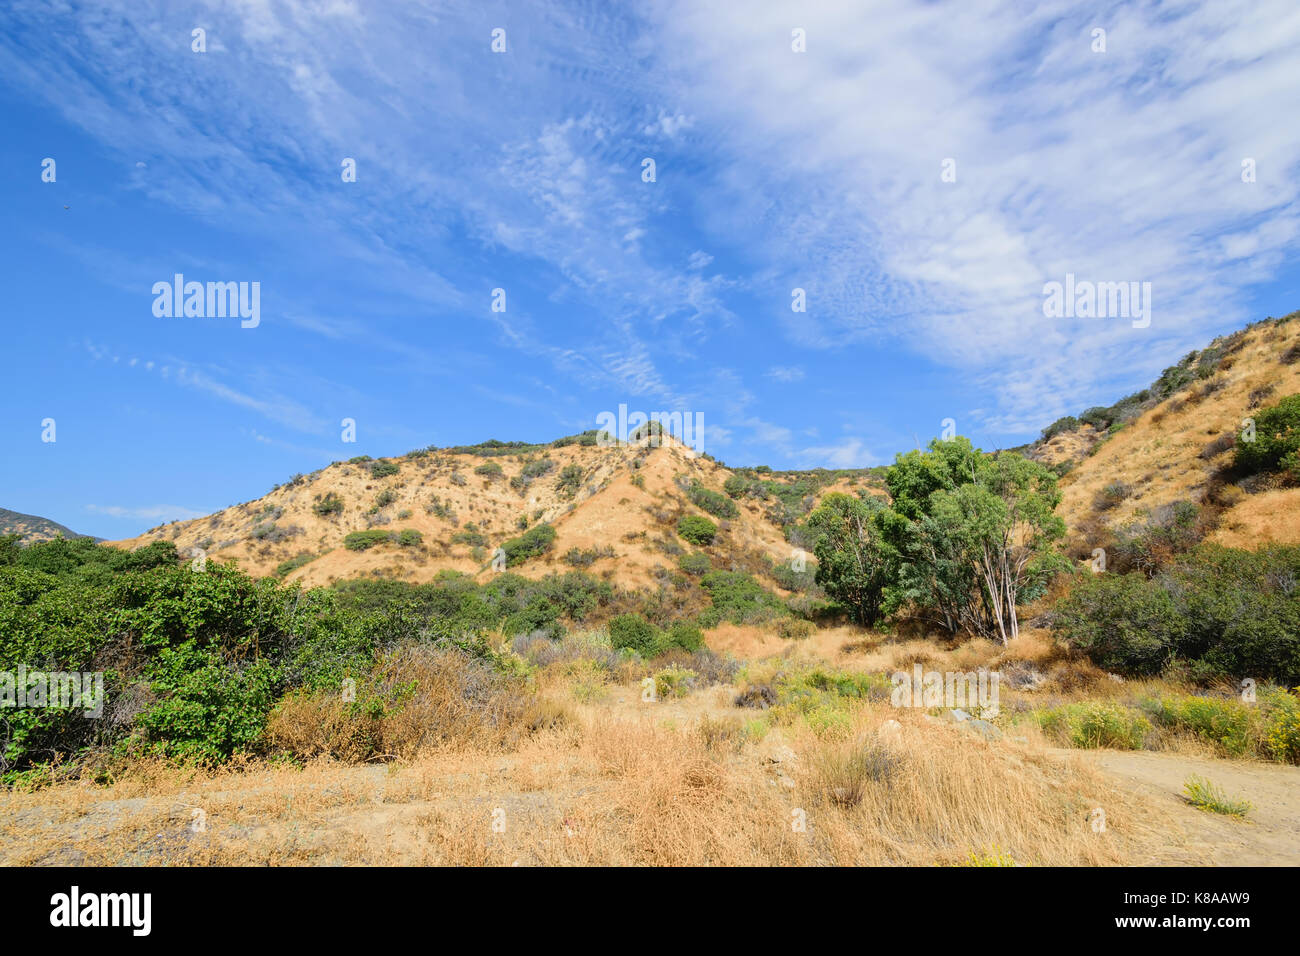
(1225, 612)
(736, 597)
(569, 480)
(682, 635)
(532, 543)
(361, 540)
(716, 504)
(635, 633)
(382, 469)
(489, 469)
(1277, 440)
(697, 529)
(1066, 424)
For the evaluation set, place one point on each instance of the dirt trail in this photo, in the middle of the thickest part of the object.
(1270, 835)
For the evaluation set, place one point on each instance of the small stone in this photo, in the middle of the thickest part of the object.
(985, 729)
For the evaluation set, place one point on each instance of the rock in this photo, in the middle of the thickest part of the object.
(959, 715)
(781, 754)
(985, 729)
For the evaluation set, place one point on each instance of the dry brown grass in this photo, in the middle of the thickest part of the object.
(681, 783)
(418, 699)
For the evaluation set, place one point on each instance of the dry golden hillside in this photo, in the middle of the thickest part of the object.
(621, 509)
(614, 509)
(1180, 449)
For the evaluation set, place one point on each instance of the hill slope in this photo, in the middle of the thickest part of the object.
(33, 527)
(1173, 442)
(615, 509)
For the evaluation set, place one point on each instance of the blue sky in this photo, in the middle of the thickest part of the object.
(522, 170)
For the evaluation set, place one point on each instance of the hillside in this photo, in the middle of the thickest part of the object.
(1173, 442)
(614, 511)
(33, 527)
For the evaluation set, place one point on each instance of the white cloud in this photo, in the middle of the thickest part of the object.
(1115, 166)
(786, 373)
(849, 453)
(159, 513)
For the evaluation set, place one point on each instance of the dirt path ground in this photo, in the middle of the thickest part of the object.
(1270, 835)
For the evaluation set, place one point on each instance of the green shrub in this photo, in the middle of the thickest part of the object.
(207, 710)
(330, 504)
(1067, 424)
(1226, 723)
(736, 597)
(716, 504)
(385, 498)
(410, 538)
(361, 540)
(1204, 795)
(674, 681)
(532, 543)
(382, 469)
(1224, 611)
(537, 468)
(1277, 440)
(682, 635)
(294, 563)
(470, 536)
(697, 529)
(1281, 737)
(569, 480)
(633, 632)
(1096, 724)
(490, 470)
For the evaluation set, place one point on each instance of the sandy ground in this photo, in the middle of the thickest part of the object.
(1269, 836)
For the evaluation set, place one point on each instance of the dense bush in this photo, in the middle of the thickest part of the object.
(736, 597)
(1066, 424)
(489, 469)
(1277, 440)
(1224, 612)
(361, 540)
(293, 564)
(194, 661)
(716, 504)
(532, 543)
(537, 468)
(697, 529)
(635, 633)
(382, 469)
